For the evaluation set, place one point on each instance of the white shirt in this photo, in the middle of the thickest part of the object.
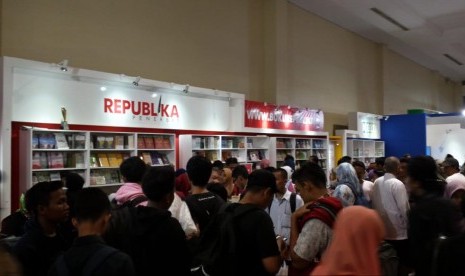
(280, 213)
(456, 177)
(180, 211)
(389, 198)
(367, 187)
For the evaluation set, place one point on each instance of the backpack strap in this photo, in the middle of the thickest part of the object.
(134, 202)
(61, 267)
(97, 259)
(327, 208)
(292, 201)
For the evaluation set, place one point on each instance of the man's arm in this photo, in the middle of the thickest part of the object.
(296, 260)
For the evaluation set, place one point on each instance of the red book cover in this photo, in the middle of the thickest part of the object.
(158, 142)
(166, 143)
(140, 142)
(149, 142)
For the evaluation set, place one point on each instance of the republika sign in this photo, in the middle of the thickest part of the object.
(263, 115)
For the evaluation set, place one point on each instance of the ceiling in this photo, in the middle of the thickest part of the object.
(434, 28)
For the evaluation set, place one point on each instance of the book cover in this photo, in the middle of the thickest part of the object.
(55, 176)
(113, 159)
(166, 143)
(109, 142)
(154, 155)
(103, 160)
(36, 164)
(149, 144)
(42, 138)
(119, 142)
(79, 160)
(97, 180)
(130, 142)
(165, 159)
(115, 177)
(43, 160)
(93, 161)
(79, 141)
(100, 142)
(43, 176)
(35, 141)
(147, 158)
(140, 142)
(119, 158)
(196, 142)
(61, 142)
(56, 160)
(158, 142)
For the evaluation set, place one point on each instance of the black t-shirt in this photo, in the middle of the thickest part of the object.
(256, 240)
(203, 207)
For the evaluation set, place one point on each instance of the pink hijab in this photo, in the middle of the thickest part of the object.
(452, 187)
(358, 232)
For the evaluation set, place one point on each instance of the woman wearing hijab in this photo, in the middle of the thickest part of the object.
(348, 187)
(358, 232)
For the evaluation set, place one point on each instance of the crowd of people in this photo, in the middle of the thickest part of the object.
(215, 218)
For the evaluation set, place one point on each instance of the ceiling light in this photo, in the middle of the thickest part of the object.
(186, 89)
(154, 95)
(103, 88)
(63, 65)
(136, 81)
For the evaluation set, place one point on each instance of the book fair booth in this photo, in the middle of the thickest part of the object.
(57, 119)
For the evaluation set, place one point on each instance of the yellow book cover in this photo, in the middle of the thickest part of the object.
(103, 160)
(113, 159)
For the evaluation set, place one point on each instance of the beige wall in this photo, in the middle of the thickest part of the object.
(269, 50)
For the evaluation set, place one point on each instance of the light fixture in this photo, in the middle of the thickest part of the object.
(386, 118)
(265, 104)
(288, 107)
(136, 81)
(103, 88)
(463, 112)
(186, 89)
(154, 95)
(63, 65)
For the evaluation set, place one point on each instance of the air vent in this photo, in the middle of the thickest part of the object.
(454, 60)
(388, 18)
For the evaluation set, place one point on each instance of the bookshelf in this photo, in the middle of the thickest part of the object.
(300, 148)
(247, 149)
(48, 155)
(365, 150)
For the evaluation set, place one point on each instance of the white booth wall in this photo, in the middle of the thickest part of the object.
(446, 139)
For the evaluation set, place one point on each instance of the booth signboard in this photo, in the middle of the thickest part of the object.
(283, 117)
(366, 124)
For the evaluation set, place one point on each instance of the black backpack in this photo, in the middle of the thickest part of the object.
(217, 251)
(95, 261)
(292, 202)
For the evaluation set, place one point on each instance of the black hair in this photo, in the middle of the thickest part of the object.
(133, 169)
(404, 159)
(199, 170)
(158, 182)
(379, 173)
(219, 190)
(39, 194)
(91, 204)
(282, 171)
(344, 159)
(314, 159)
(260, 180)
(312, 173)
(449, 156)
(424, 170)
(358, 163)
(218, 164)
(380, 161)
(74, 182)
(270, 169)
(231, 160)
(240, 171)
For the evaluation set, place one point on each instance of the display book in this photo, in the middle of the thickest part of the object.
(365, 150)
(247, 149)
(299, 148)
(52, 154)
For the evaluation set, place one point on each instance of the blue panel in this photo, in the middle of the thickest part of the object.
(404, 134)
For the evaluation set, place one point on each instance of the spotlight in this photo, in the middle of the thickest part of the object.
(103, 88)
(186, 89)
(463, 112)
(386, 118)
(154, 95)
(136, 81)
(288, 107)
(63, 65)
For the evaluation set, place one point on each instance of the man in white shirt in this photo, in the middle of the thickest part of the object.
(367, 186)
(283, 205)
(455, 180)
(389, 198)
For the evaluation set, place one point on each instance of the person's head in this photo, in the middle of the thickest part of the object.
(423, 177)
(450, 166)
(132, 169)
(289, 161)
(218, 164)
(346, 174)
(344, 159)
(289, 171)
(264, 163)
(402, 174)
(231, 162)
(261, 188)
(158, 186)
(240, 175)
(74, 182)
(455, 191)
(92, 207)
(281, 180)
(375, 174)
(310, 181)
(47, 201)
(217, 176)
(227, 176)
(359, 167)
(391, 165)
(314, 159)
(199, 170)
(379, 163)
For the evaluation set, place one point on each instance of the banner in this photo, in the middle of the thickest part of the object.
(263, 115)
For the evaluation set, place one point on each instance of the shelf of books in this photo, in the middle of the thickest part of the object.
(51, 154)
(299, 148)
(365, 150)
(244, 148)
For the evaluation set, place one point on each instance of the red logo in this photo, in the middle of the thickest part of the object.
(138, 108)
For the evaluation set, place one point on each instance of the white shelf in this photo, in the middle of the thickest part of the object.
(106, 185)
(103, 168)
(58, 150)
(140, 150)
(207, 149)
(58, 169)
(119, 150)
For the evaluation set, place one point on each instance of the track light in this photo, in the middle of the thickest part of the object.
(186, 89)
(136, 81)
(63, 65)
(288, 107)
